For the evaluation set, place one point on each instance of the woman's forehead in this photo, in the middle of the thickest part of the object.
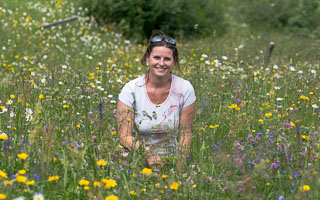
(162, 50)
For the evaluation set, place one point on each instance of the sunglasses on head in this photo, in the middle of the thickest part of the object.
(159, 38)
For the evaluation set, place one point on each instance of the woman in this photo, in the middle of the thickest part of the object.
(153, 109)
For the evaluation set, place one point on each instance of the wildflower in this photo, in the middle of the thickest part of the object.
(53, 178)
(96, 184)
(12, 96)
(143, 189)
(86, 188)
(174, 186)
(194, 186)
(260, 121)
(281, 197)
(305, 137)
(31, 182)
(233, 106)
(3, 196)
(268, 114)
(3, 174)
(101, 163)
(84, 182)
(22, 156)
(111, 197)
(41, 96)
(304, 98)
(78, 125)
(38, 196)
(164, 176)
(65, 106)
(3, 136)
(21, 179)
(23, 171)
(146, 171)
(109, 183)
(305, 188)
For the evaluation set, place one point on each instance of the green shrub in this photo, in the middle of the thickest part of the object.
(137, 19)
(297, 14)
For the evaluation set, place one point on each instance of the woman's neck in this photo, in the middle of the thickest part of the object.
(158, 82)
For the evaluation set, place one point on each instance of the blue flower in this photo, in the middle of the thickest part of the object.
(280, 197)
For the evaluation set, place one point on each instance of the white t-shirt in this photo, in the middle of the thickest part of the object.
(158, 125)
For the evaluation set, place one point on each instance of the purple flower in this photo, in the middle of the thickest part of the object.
(287, 125)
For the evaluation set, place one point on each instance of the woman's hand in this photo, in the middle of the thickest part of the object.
(153, 159)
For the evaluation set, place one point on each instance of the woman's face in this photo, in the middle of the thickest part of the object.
(160, 61)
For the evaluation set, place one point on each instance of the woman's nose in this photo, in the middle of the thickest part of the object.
(161, 62)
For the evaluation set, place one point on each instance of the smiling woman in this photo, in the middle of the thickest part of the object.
(153, 109)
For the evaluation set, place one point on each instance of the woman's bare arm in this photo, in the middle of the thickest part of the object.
(185, 128)
(185, 132)
(125, 118)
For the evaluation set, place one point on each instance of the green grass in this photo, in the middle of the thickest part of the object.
(245, 151)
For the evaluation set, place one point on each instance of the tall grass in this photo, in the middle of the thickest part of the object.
(255, 132)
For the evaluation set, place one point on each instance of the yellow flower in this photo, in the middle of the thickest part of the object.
(6, 182)
(86, 187)
(3, 196)
(101, 163)
(53, 178)
(30, 182)
(129, 119)
(12, 96)
(164, 176)
(143, 189)
(194, 186)
(267, 184)
(111, 197)
(268, 114)
(202, 129)
(146, 171)
(260, 121)
(84, 182)
(305, 188)
(132, 192)
(233, 106)
(65, 106)
(21, 179)
(3, 174)
(109, 183)
(174, 186)
(305, 137)
(41, 96)
(78, 125)
(22, 171)
(22, 156)
(96, 184)
(3, 136)
(114, 132)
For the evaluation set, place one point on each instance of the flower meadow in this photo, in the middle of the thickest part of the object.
(255, 135)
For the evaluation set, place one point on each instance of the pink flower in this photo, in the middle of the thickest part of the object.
(273, 165)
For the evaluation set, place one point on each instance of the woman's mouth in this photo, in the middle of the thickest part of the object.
(161, 68)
